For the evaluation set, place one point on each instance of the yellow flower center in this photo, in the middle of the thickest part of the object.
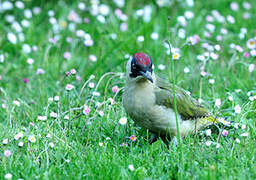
(175, 56)
(251, 43)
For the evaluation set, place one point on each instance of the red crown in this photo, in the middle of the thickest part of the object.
(142, 58)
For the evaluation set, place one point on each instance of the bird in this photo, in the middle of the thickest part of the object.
(148, 100)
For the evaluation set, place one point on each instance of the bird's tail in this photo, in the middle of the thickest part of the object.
(212, 120)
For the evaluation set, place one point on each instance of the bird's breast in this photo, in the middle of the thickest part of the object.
(138, 100)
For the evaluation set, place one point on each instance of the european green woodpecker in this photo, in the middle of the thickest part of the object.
(148, 100)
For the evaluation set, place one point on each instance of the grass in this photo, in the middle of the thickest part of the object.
(97, 146)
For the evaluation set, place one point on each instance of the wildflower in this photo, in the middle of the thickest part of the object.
(104, 9)
(217, 145)
(1, 58)
(36, 10)
(214, 56)
(56, 98)
(51, 144)
(182, 20)
(20, 144)
(251, 67)
(131, 167)
(86, 110)
(5, 141)
(247, 5)
(92, 58)
(69, 87)
(12, 38)
(237, 109)
(211, 81)
(6, 5)
(25, 80)
(182, 34)
(230, 98)
(88, 42)
(17, 103)
(251, 44)
(8, 176)
(251, 98)
(48, 135)
(66, 117)
(81, 6)
(30, 61)
(237, 140)
(243, 127)
(111, 100)
(32, 139)
(234, 6)
(28, 13)
(154, 36)
(253, 52)
(40, 71)
(101, 19)
(189, 14)
(73, 71)
(140, 38)
(78, 78)
(161, 67)
(100, 144)
(208, 132)
(115, 89)
(67, 55)
(7, 153)
(101, 113)
(224, 132)
(203, 73)
(246, 54)
(91, 85)
(208, 143)
(123, 120)
(244, 134)
(230, 19)
(19, 4)
(218, 102)
(53, 40)
(53, 115)
(95, 93)
(133, 138)
(176, 56)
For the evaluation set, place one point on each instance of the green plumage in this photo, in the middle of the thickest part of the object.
(187, 107)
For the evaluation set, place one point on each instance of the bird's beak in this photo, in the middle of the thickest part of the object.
(147, 75)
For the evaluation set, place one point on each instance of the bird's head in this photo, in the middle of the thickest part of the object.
(140, 66)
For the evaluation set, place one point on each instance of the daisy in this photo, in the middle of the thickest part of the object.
(251, 44)
(133, 138)
(69, 87)
(176, 56)
(123, 120)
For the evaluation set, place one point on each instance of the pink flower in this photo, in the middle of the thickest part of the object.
(133, 138)
(246, 55)
(115, 89)
(52, 40)
(69, 87)
(67, 55)
(86, 110)
(7, 153)
(73, 71)
(78, 78)
(86, 20)
(123, 27)
(225, 132)
(40, 71)
(25, 80)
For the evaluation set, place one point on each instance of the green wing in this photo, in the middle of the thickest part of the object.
(187, 107)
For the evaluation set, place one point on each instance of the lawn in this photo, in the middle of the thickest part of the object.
(62, 73)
